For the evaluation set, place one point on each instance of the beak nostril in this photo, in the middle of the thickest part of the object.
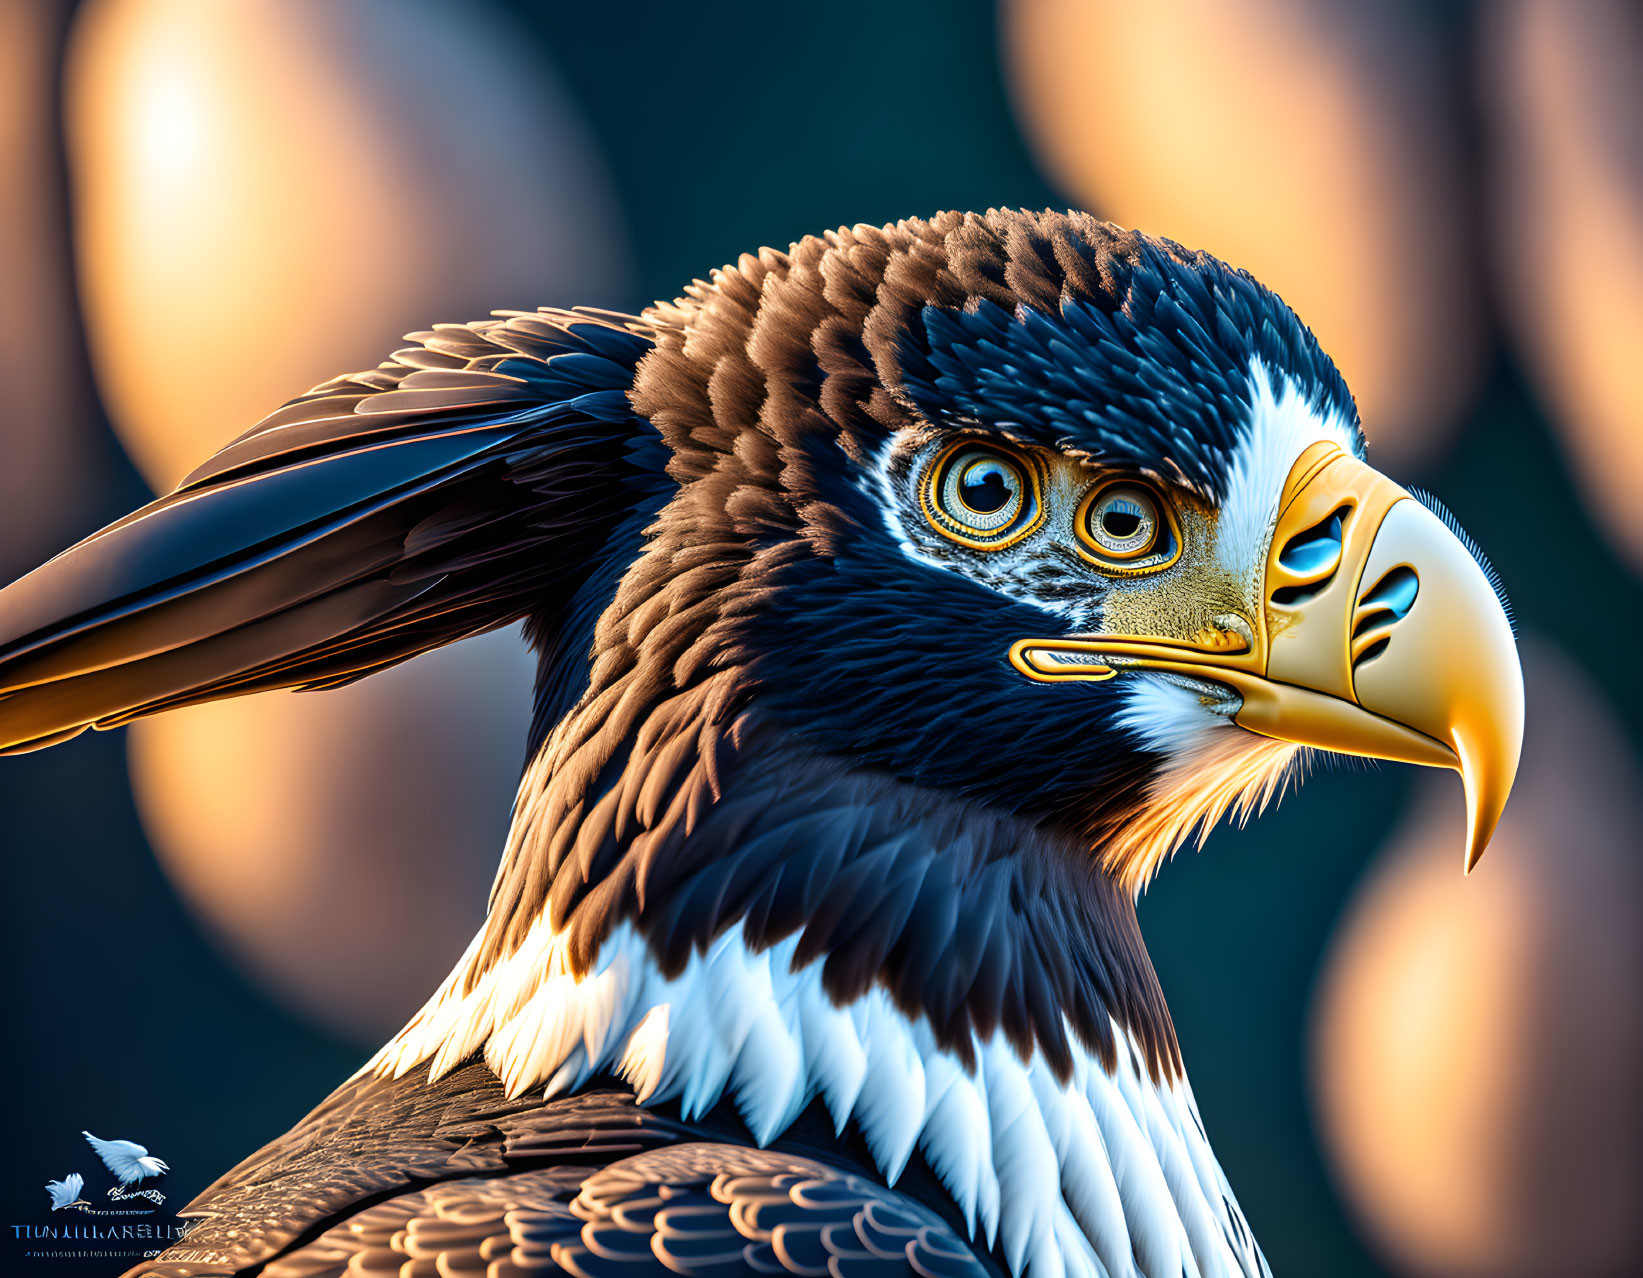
(1315, 551)
(1381, 607)
(1310, 559)
(1369, 653)
(1371, 620)
(1395, 592)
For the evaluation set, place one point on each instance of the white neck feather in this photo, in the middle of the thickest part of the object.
(1106, 1174)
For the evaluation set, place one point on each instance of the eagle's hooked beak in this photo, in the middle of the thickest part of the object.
(1379, 635)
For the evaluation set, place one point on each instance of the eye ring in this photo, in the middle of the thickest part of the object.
(1126, 526)
(983, 495)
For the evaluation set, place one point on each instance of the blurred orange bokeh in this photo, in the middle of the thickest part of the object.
(1567, 83)
(269, 194)
(340, 845)
(47, 412)
(1478, 1040)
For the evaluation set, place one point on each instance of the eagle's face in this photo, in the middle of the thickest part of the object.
(1113, 561)
(1099, 550)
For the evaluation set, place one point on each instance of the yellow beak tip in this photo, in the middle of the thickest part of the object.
(1483, 816)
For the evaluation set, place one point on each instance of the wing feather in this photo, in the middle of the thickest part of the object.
(468, 481)
(701, 1210)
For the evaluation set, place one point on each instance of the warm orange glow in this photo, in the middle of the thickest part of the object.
(340, 844)
(46, 413)
(1567, 81)
(1477, 1042)
(269, 193)
(1309, 145)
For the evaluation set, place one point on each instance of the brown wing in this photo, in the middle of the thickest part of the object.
(474, 478)
(702, 1210)
(377, 1139)
(417, 1177)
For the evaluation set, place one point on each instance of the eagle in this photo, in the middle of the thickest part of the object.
(902, 601)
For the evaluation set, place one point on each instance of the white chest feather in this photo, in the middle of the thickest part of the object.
(1107, 1174)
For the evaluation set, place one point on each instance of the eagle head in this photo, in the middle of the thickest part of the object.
(1067, 520)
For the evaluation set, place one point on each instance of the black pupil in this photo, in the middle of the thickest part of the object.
(1121, 523)
(984, 489)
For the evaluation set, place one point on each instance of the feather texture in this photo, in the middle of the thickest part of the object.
(1068, 1175)
(477, 478)
(794, 838)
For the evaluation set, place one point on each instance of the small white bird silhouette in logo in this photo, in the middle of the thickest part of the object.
(130, 1163)
(66, 1192)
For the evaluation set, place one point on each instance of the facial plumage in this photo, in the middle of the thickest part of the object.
(808, 394)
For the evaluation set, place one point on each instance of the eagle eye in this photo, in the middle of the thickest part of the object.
(983, 495)
(1124, 525)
